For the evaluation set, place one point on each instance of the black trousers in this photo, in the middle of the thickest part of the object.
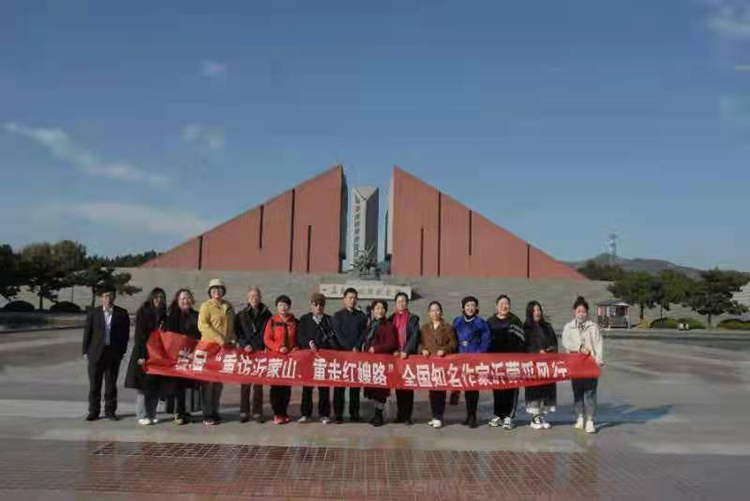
(437, 404)
(405, 404)
(104, 370)
(338, 402)
(280, 396)
(324, 401)
(505, 403)
(257, 391)
(211, 400)
(472, 402)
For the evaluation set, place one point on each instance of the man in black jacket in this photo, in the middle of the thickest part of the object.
(249, 325)
(315, 332)
(105, 341)
(408, 328)
(349, 325)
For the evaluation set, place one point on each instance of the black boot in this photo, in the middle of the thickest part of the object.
(377, 419)
(473, 421)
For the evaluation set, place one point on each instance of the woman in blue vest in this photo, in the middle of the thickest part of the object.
(473, 335)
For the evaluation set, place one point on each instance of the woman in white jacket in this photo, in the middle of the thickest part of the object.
(581, 335)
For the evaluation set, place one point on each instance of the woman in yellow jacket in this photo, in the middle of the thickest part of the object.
(216, 325)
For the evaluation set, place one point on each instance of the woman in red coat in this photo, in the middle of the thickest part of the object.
(281, 337)
(381, 337)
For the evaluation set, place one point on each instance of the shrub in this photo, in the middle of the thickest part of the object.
(65, 307)
(693, 323)
(664, 323)
(734, 324)
(19, 307)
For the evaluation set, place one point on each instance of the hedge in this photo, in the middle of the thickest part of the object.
(664, 323)
(65, 307)
(19, 307)
(734, 324)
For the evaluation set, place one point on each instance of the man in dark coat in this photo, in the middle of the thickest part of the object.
(350, 325)
(105, 341)
(408, 328)
(315, 332)
(249, 326)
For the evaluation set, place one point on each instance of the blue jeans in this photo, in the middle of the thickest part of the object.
(145, 405)
(584, 397)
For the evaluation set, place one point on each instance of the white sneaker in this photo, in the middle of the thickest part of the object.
(436, 423)
(303, 419)
(590, 428)
(496, 422)
(508, 423)
(154, 421)
(431, 422)
(579, 423)
(546, 424)
(537, 423)
(325, 420)
(144, 422)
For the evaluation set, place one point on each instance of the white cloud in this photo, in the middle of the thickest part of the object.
(213, 69)
(212, 137)
(133, 218)
(729, 19)
(61, 146)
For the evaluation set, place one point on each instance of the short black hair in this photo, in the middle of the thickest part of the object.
(351, 290)
(502, 296)
(469, 299)
(107, 289)
(379, 301)
(581, 301)
(283, 299)
(399, 294)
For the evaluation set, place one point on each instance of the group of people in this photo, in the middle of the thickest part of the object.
(256, 328)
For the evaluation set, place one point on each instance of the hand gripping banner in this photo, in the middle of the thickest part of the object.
(172, 354)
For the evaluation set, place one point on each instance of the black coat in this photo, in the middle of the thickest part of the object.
(321, 334)
(94, 333)
(350, 328)
(413, 334)
(540, 336)
(181, 323)
(147, 320)
(250, 325)
(507, 335)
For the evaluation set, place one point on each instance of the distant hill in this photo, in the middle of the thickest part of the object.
(654, 266)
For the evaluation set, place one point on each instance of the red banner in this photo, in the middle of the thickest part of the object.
(172, 354)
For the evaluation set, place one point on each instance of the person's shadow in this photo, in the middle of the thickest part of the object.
(611, 415)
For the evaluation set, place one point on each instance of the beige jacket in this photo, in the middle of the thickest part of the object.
(575, 339)
(216, 322)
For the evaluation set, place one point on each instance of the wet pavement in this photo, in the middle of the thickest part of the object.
(672, 425)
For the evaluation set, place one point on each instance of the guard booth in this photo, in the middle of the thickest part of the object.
(613, 314)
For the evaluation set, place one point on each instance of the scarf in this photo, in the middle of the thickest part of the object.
(401, 322)
(370, 334)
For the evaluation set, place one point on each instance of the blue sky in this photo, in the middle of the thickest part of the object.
(135, 125)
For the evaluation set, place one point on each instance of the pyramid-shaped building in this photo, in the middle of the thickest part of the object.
(303, 230)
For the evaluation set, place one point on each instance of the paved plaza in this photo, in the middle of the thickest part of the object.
(672, 416)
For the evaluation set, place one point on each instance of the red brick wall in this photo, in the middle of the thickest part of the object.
(182, 257)
(238, 244)
(459, 242)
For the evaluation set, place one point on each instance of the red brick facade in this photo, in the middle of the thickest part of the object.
(300, 230)
(434, 235)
